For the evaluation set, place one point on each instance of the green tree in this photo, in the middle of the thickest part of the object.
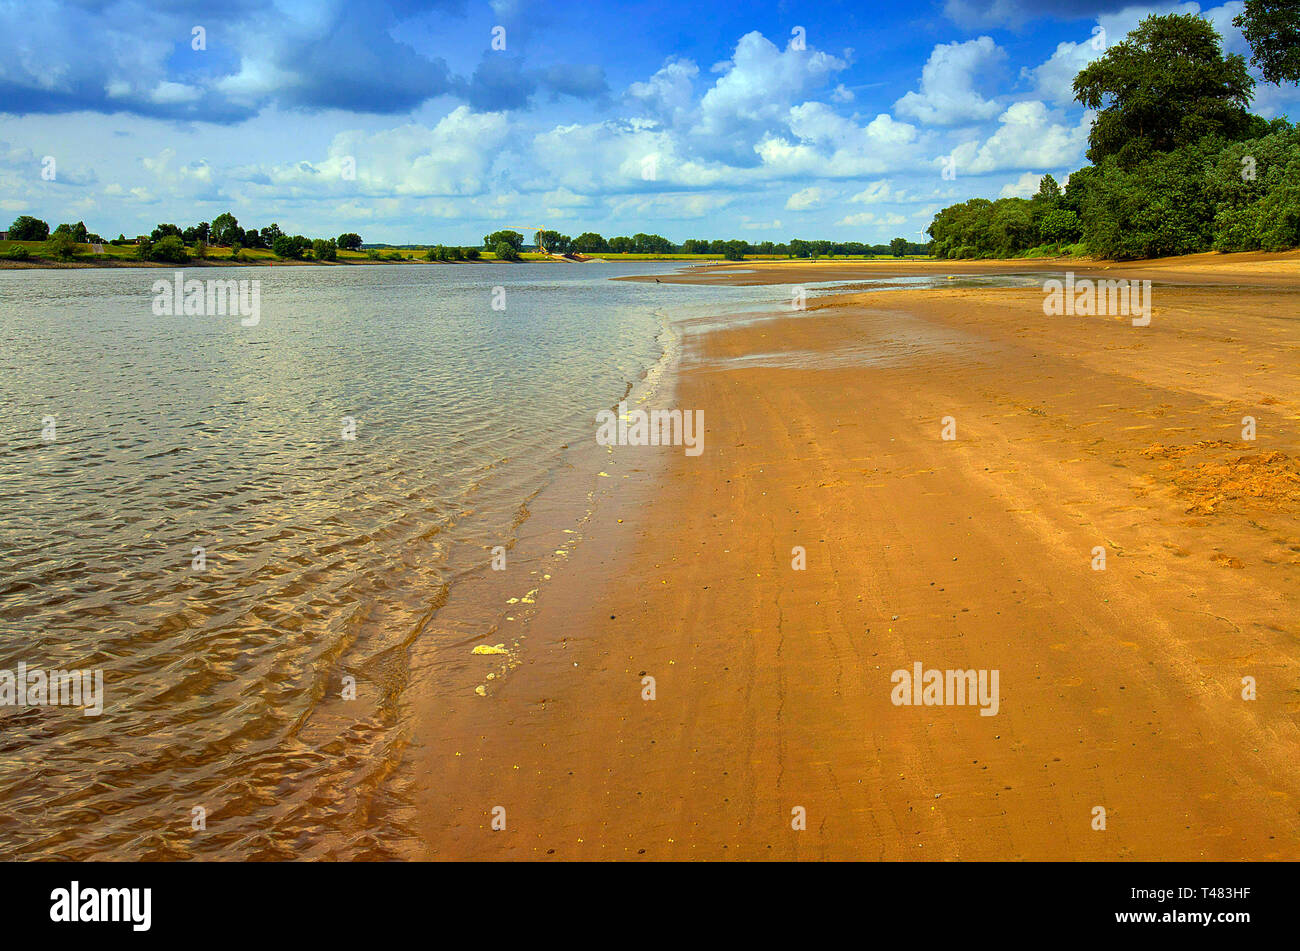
(1059, 226)
(60, 246)
(512, 238)
(734, 250)
(589, 243)
(27, 228)
(170, 248)
(1167, 84)
(898, 247)
(349, 241)
(77, 232)
(1272, 28)
(554, 241)
(287, 247)
(226, 230)
(506, 251)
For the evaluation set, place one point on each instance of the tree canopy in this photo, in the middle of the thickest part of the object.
(1272, 28)
(1166, 85)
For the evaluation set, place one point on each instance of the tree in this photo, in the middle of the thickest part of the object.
(349, 241)
(61, 246)
(1167, 84)
(1049, 192)
(1059, 226)
(589, 243)
(735, 250)
(323, 250)
(287, 247)
(27, 228)
(170, 248)
(512, 238)
(506, 250)
(226, 230)
(1272, 28)
(553, 241)
(898, 247)
(163, 231)
(620, 245)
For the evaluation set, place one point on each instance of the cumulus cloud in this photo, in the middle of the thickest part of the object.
(877, 192)
(1026, 186)
(824, 143)
(806, 198)
(324, 55)
(948, 94)
(1027, 137)
(452, 158)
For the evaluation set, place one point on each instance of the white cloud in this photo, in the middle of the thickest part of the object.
(454, 157)
(1026, 186)
(829, 145)
(1027, 137)
(863, 218)
(948, 95)
(806, 198)
(877, 192)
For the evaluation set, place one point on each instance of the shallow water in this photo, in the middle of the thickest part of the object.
(325, 557)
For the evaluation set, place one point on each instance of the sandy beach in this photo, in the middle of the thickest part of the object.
(1119, 688)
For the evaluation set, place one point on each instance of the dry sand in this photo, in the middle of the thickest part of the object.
(1119, 689)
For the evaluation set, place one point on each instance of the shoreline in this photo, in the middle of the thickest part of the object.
(1118, 688)
(709, 269)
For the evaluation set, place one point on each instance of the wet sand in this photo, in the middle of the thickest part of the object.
(1119, 688)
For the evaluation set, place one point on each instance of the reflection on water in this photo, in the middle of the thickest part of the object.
(200, 529)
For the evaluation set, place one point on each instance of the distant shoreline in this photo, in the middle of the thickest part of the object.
(1254, 264)
(527, 257)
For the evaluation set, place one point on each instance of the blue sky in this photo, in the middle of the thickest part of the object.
(400, 121)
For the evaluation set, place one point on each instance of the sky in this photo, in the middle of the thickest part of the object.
(437, 122)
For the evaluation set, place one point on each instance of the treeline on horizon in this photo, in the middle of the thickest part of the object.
(170, 243)
(590, 242)
(1178, 164)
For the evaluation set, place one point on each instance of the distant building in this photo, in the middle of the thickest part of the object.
(4, 235)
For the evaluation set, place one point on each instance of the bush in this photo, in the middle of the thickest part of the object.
(506, 251)
(61, 247)
(471, 254)
(17, 253)
(171, 249)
